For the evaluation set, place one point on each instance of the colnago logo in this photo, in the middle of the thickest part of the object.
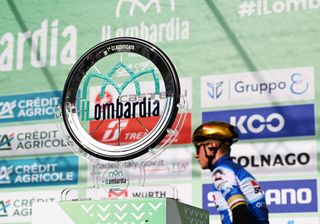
(280, 158)
(269, 122)
(294, 84)
(4, 206)
(269, 160)
(6, 109)
(133, 5)
(5, 141)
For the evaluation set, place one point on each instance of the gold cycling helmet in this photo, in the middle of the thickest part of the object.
(215, 130)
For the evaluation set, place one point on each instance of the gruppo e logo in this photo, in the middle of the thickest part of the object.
(283, 85)
(133, 4)
(268, 122)
(5, 141)
(298, 84)
(119, 109)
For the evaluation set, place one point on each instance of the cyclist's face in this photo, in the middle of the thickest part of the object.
(203, 149)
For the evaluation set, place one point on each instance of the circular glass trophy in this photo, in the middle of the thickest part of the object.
(120, 102)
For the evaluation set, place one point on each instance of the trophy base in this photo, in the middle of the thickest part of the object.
(137, 211)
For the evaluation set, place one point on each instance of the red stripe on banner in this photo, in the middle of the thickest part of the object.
(132, 130)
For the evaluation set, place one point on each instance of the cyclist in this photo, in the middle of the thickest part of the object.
(237, 195)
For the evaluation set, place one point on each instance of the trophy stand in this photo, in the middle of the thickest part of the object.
(120, 84)
(111, 179)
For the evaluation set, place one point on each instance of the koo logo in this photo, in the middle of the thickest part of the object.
(257, 123)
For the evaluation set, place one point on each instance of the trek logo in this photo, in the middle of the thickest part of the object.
(5, 141)
(143, 7)
(215, 89)
(291, 195)
(293, 84)
(268, 122)
(4, 208)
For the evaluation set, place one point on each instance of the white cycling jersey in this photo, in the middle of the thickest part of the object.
(232, 186)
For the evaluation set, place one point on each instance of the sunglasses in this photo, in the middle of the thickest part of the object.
(198, 145)
(204, 144)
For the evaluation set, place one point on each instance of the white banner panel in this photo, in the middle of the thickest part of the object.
(177, 191)
(293, 84)
(32, 140)
(17, 207)
(276, 158)
(173, 164)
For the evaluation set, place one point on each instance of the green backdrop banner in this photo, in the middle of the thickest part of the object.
(248, 62)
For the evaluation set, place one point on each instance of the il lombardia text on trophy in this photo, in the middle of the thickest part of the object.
(119, 83)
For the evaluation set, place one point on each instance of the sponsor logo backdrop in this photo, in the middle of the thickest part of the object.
(251, 63)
